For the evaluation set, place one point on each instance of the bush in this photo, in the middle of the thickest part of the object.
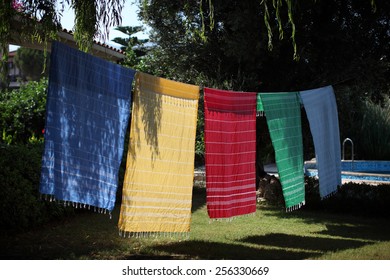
(22, 113)
(20, 203)
(352, 198)
(374, 136)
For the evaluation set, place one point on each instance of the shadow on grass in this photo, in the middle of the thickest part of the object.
(84, 235)
(282, 247)
(198, 198)
(198, 249)
(374, 232)
(308, 243)
(95, 236)
(338, 225)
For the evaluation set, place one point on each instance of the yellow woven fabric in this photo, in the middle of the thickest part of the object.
(157, 191)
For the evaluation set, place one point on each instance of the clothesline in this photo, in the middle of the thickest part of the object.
(335, 83)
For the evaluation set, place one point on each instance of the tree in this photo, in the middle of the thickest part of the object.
(22, 112)
(134, 48)
(342, 43)
(92, 18)
(337, 41)
(30, 62)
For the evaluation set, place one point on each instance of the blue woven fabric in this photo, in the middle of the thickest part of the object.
(321, 109)
(87, 114)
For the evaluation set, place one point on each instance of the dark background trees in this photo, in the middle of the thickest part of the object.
(31, 63)
(336, 41)
(225, 44)
(340, 43)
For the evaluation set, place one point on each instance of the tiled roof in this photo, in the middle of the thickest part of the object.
(98, 43)
(99, 49)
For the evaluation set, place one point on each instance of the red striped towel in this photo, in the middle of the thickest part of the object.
(230, 140)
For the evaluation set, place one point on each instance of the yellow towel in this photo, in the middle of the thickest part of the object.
(157, 191)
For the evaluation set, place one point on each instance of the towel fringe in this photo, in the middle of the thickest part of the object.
(75, 205)
(295, 207)
(230, 219)
(154, 235)
(329, 195)
(260, 114)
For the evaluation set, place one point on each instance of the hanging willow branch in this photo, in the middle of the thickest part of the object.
(85, 23)
(291, 21)
(211, 14)
(93, 18)
(211, 18)
(277, 4)
(108, 15)
(373, 5)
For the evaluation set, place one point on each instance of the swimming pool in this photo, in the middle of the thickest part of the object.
(357, 170)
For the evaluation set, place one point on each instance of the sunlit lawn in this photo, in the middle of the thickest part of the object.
(269, 234)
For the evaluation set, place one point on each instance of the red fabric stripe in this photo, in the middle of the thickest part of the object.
(230, 140)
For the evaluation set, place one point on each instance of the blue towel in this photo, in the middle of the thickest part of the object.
(87, 114)
(321, 110)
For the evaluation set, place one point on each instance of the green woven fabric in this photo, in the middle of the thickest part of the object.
(283, 116)
(259, 106)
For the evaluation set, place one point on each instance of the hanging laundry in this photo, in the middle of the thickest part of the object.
(259, 105)
(88, 107)
(157, 191)
(321, 110)
(284, 123)
(230, 141)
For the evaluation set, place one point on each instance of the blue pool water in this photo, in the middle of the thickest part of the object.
(359, 170)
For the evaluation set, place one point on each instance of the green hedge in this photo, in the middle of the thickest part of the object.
(374, 133)
(352, 198)
(21, 206)
(22, 113)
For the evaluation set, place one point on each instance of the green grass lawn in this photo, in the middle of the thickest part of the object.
(269, 234)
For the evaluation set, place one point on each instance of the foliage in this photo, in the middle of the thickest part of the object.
(20, 204)
(350, 107)
(131, 40)
(6, 12)
(22, 112)
(374, 134)
(30, 62)
(277, 5)
(363, 199)
(92, 18)
(85, 23)
(340, 43)
(209, 7)
(133, 47)
(199, 140)
(363, 115)
(351, 198)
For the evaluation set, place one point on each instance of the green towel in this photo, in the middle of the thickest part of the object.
(284, 123)
(259, 105)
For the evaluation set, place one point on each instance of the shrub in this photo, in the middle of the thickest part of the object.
(20, 203)
(352, 198)
(374, 136)
(22, 112)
